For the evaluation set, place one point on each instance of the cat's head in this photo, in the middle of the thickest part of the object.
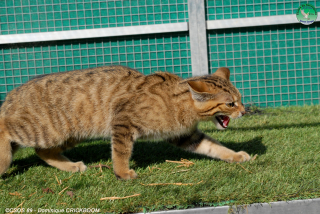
(216, 98)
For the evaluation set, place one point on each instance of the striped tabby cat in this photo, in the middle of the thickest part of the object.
(54, 112)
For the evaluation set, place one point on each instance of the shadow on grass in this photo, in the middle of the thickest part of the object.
(23, 165)
(278, 127)
(145, 153)
(252, 147)
(264, 127)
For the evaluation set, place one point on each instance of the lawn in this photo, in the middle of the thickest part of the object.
(283, 141)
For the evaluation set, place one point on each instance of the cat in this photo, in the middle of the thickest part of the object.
(54, 112)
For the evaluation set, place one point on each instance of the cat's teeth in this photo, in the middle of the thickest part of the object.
(226, 120)
(223, 120)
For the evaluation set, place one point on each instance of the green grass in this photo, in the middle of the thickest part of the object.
(287, 167)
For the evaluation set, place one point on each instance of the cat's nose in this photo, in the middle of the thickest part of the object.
(243, 113)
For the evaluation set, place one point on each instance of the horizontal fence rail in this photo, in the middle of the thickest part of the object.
(146, 29)
(94, 33)
(253, 22)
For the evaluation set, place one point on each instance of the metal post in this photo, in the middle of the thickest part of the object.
(198, 37)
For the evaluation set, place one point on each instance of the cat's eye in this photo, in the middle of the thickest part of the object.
(230, 105)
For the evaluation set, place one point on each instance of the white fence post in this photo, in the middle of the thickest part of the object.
(198, 37)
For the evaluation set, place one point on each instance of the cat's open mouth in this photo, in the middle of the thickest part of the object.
(223, 120)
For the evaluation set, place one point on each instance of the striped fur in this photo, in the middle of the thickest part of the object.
(54, 112)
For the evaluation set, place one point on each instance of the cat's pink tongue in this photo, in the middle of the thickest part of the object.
(226, 121)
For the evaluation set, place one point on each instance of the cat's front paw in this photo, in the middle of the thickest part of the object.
(240, 157)
(77, 167)
(81, 166)
(131, 174)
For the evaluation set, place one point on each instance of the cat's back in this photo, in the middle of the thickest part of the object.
(67, 87)
(52, 108)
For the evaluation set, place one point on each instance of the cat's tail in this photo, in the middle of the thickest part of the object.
(5, 148)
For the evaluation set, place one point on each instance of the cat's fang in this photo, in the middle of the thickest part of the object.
(223, 120)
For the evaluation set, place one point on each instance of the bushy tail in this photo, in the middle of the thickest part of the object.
(5, 148)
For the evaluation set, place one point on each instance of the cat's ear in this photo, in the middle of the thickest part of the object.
(223, 72)
(198, 86)
(200, 92)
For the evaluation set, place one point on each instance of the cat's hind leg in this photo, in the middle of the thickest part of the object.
(5, 149)
(54, 157)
